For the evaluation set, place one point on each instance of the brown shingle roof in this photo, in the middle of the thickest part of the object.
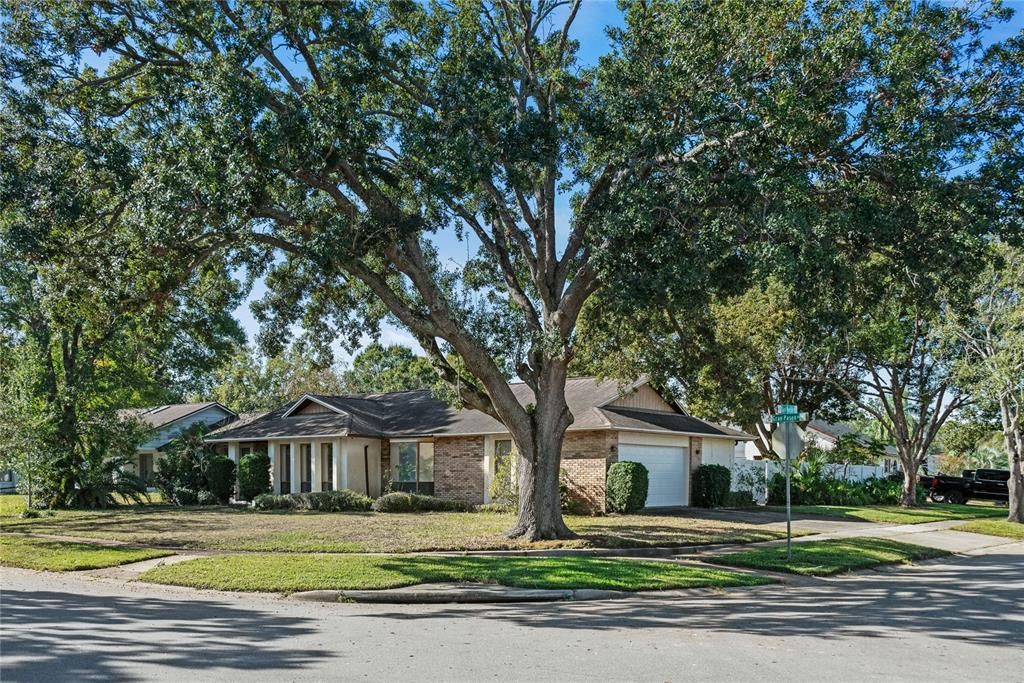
(158, 416)
(420, 413)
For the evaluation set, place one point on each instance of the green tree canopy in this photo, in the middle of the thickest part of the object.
(379, 368)
(329, 144)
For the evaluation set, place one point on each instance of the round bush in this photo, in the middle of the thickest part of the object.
(253, 476)
(711, 486)
(220, 479)
(626, 487)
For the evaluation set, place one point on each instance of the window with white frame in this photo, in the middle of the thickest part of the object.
(413, 466)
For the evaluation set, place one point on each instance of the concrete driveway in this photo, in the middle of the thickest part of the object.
(962, 617)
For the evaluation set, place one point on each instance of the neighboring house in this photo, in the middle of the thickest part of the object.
(825, 435)
(168, 422)
(412, 441)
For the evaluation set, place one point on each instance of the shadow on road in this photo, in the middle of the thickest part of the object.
(975, 600)
(66, 636)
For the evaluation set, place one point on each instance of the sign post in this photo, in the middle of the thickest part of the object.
(788, 416)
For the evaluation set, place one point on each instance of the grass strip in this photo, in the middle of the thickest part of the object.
(67, 556)
(824, 558)
(292, 573)
(994, 527)
(893, 514)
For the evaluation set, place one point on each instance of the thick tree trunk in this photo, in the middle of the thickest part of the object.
(539, 464)
(908, 498)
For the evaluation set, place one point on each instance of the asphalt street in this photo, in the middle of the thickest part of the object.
(960, 619)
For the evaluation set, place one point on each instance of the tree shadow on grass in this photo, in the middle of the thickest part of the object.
(53, 635)
(976, 600)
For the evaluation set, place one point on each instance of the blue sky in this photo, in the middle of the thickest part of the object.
(590, 30)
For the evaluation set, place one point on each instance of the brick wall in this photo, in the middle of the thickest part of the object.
(459, 468)
(585, 460)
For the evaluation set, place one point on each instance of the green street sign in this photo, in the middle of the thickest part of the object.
(787, 409)
(789, 417)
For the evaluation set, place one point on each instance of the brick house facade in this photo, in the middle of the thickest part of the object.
(413, 441)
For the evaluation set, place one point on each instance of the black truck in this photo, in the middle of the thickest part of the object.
(974, 484)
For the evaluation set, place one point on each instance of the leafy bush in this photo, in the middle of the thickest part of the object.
(185, 496)
(29, 513)
(711, 485)
(191, 465)
(496, 508)
(812, 483)
(94, 471)
(413, 502)
(253, 476)
(220, 479)
(504, 488)
(206, 498)
(344, 500)
(626, 487)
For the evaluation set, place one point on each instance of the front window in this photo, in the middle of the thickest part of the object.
(413, 466)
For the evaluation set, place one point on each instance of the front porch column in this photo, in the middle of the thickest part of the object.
(315, 453)
(296, 476)
(336, 468)
(344, 464)
(275, 476)
(488, 457)
(233, 456)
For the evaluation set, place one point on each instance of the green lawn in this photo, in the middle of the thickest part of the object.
(994, 527)
(823, 558)
(221, 528)
(291, 573)
(62, 556)
(893, 514)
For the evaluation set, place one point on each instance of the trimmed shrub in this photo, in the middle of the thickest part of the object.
(626, 487)
(220, 479)
(253, 476)
(413, 502)
(344, 500)
(740, 499)
(711, 485)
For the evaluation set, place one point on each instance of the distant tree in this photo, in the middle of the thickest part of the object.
(735, 360)
(380, 368)
(102, 318)
(992, 362)
(27, 428)
(249, 382)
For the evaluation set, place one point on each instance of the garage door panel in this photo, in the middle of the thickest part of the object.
(667, 472)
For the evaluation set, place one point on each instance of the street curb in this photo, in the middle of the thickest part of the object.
(474, 595)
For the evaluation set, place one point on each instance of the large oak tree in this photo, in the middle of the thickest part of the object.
(336, 145)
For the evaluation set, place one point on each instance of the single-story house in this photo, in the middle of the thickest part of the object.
(168, 422)
(413, 441)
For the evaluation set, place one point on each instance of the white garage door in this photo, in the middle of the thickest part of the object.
(666, 472)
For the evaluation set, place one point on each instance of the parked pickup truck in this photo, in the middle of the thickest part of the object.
(980, 484)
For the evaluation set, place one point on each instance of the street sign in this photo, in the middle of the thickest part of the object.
(788, 409)
(789, 417)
